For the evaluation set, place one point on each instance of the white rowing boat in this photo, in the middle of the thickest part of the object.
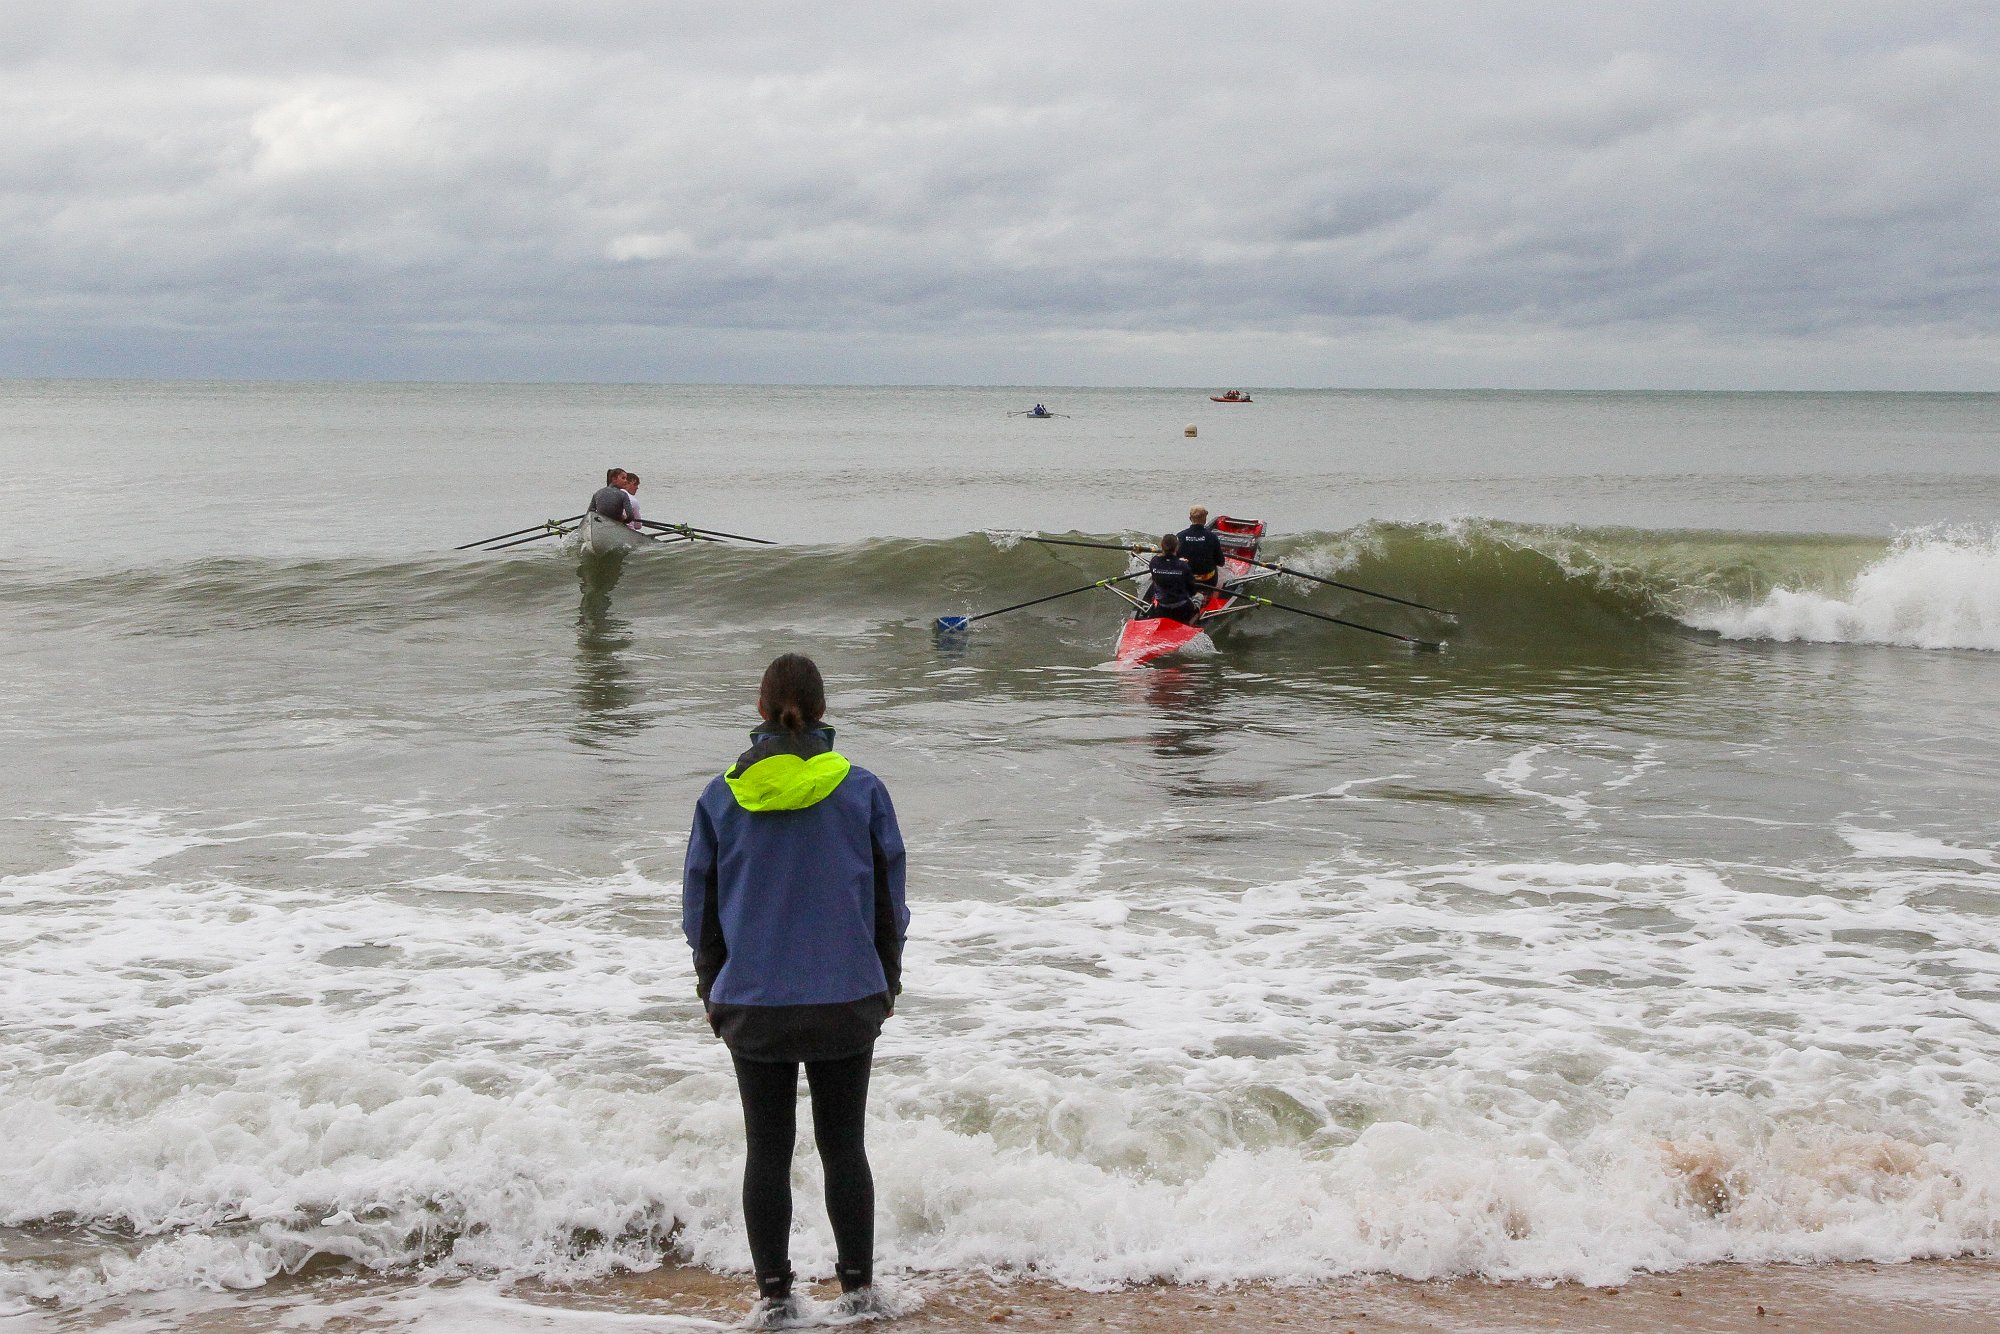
(599, 536)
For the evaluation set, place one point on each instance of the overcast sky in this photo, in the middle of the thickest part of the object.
(1732, 195)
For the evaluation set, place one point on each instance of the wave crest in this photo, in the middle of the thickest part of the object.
(1933, 589)
(1518, 588)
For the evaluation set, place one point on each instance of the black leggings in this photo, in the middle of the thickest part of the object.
(770, 1092)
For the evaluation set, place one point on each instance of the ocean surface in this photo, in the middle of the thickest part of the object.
(1651, 923)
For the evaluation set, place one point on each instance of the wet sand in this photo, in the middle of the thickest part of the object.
(1931, 1297)
(1935, 1296)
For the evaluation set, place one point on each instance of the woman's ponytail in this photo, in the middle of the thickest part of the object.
(792, 695)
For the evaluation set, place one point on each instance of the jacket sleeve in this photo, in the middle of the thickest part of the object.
(892, 912)
(700, 921)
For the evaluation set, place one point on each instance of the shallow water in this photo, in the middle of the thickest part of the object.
(1649, 924)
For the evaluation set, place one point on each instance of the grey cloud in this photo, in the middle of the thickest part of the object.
(389, 171)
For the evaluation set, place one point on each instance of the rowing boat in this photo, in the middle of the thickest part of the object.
(1146, 637)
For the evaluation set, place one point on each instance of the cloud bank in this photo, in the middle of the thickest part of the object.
(1794, 195)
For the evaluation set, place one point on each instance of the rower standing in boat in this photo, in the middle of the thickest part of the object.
(1172, 591)
(1201, 549)
(613, 501)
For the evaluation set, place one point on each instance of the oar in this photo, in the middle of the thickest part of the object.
(1433, 646)
(684, 534)
(517, 532)
(551, 531)
(951, 624)
(708, 532)
(1094, 546)
(1366, 592)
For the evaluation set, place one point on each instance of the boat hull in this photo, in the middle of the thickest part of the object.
(1141, 641)
(599, 536)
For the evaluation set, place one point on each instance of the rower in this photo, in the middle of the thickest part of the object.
(1172, 592)
(1201, 549)
(612, 500)
(631, 487)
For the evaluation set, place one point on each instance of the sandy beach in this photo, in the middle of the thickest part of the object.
(1934, 1297)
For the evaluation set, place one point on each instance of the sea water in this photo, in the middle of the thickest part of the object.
(1650, 923)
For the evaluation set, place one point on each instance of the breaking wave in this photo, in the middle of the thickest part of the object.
(1929, 590)
(1515, 587)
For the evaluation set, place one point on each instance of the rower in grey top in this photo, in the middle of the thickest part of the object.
(612, 501)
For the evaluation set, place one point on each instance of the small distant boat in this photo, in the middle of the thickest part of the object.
(1039, 411)
(1233, 396)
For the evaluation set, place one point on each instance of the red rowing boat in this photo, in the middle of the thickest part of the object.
(1233, 396)
(1145, 637)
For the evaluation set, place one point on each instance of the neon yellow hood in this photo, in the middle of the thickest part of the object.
(787, 782)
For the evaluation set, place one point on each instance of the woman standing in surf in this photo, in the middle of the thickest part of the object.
(792, 900)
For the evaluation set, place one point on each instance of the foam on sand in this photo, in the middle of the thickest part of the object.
(1536, 1070)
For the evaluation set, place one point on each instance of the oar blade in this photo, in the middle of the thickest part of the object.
(953, 625)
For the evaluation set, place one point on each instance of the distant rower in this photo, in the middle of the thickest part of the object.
(1200, 547)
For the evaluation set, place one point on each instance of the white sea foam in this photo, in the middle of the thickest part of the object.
(1893, 845)
(1934, 589)
(1519, 771)
(1535, 1070)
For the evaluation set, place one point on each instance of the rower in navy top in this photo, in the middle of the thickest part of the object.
(1200, 547)
(1172, 591)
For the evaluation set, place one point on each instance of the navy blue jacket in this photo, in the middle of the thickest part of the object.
(793, 891)
(1200, 548)
(1172, 582)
